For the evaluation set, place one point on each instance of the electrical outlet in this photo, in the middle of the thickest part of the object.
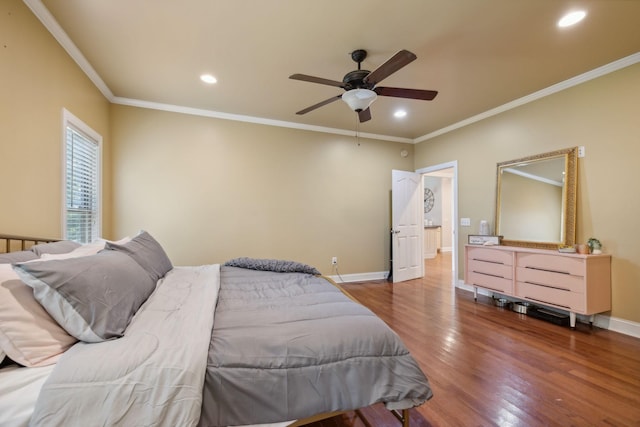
(334, 260)
(581, 151)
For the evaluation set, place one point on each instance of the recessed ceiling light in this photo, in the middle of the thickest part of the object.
(208, 78)
(400, 113)
(572, 18)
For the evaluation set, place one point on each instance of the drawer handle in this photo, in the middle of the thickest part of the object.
(549, 271)
(490, 261)
(547, 286)
(488, 274)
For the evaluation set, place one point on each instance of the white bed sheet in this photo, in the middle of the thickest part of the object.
(19, 389)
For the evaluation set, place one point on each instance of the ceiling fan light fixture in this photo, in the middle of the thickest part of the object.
(359, 99)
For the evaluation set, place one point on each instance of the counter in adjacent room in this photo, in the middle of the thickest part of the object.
(432, 240)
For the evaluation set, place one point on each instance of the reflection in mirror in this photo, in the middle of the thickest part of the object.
(535, 200)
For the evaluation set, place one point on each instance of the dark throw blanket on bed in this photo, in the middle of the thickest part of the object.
(287, 346)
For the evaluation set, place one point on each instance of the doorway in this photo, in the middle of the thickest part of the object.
(441, 212)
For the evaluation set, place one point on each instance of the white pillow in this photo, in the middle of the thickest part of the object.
(28, 334)
(1, 356)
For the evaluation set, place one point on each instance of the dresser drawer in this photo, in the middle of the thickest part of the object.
(492, 269)
(548, 262)
(551, 296)
(493, 283)
(551, 279)
(490, 255)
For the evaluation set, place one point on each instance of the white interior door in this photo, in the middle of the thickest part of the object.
(407, 233)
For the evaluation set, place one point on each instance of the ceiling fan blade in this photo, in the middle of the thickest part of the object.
(425, 95)
(392, 65)
(364, 115)
(319, 104)
(312, 79)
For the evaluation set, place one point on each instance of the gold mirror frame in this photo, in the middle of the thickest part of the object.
(569, 191)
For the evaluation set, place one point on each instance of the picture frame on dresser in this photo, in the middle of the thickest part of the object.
(477, 239)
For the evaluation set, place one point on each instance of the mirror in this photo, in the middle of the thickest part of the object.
(536, 200)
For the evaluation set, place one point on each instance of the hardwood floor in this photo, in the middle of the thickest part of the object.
(490, 366)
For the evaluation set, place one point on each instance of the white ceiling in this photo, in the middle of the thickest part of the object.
(479, 54)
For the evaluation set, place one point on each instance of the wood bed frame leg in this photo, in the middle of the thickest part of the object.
(403, 418)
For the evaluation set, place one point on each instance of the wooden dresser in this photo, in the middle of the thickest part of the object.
(579, 284)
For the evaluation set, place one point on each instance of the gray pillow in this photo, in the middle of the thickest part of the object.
(21, 256)
(93, 297)
(147, 252)
(61, 247)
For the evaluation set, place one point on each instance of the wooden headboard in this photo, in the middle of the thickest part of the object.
(10, 243)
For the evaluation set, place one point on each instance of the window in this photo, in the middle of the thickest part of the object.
(82, 159)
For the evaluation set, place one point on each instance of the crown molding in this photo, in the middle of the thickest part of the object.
(50, 23)
(558, 87)
(251, 119)
(43, 14)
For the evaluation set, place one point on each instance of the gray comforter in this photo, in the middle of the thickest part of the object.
(286, 346)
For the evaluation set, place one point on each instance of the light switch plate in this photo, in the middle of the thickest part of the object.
(465, 222)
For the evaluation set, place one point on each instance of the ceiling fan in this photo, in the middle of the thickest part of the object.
(360, 85)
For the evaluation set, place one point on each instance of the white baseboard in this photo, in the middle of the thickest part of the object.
(615, 324)
(359, 277)
(626, 327)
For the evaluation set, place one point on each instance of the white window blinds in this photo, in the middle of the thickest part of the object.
(82, 186)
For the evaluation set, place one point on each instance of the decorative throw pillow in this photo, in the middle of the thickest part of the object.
(28, 334)
(94, 297)
(147, 252)
(61, 247)
(279, 266)
(20, 256)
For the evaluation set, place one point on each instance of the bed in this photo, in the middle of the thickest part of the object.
(134, 340)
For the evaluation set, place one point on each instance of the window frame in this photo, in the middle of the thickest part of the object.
(69, 120)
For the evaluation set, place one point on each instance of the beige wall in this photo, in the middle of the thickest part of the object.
(601, 115)
(212, 189)
(37, 80)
